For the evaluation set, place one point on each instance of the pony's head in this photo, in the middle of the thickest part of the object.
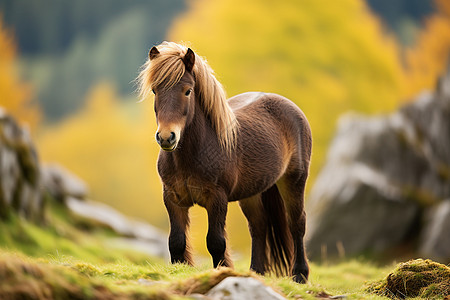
(178, 78)
(173, 86)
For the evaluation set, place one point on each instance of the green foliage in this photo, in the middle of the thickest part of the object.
(115, 56)
(403, 16)
(51, 26)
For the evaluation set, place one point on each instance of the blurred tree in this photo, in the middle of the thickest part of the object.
(428, 59)
(404, 17)
(116, 56)
(66, 45)
(51, 26)
(15, 96)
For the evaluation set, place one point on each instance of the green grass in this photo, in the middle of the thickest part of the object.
(63, 276)
(63, 234)
(69, 257)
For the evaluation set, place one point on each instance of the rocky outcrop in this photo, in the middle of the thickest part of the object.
(62, 185)
(19, 172)
(136, 234)
(385, 183)
(24, 184)
(435, 236)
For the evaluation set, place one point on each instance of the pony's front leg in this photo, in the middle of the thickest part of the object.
(216, 238)
(179, 247)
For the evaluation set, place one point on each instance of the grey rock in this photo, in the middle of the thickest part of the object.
(138, 235)
(242, 288)
(199, 297)
(435, 236)
(20, 179)
(380, 176)
(146, 282)
(62, 184)
(156, 246)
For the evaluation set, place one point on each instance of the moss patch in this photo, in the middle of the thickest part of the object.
(415, 278)
(23, 278)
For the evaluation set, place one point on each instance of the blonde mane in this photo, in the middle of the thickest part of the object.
(167, 68)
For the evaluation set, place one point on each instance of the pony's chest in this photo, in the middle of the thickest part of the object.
(189, 191)
(192, 181)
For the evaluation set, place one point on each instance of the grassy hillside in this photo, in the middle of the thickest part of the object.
(64, 234)
(71, 257)
(65, 276)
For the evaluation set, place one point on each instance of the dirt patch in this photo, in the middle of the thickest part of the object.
(415, 278)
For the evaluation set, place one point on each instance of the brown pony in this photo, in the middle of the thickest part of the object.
(254, 148)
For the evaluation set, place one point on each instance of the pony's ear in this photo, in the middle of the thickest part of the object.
(189, 60)
(153, 53)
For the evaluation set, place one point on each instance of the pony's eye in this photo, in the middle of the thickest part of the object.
(153, 91)
(188, 92)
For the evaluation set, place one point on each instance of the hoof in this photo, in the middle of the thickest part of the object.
(300, 279)
(301, 275)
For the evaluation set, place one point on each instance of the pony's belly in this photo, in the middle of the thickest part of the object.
(253, 186)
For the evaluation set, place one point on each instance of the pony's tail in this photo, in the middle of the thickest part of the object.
(280, 248)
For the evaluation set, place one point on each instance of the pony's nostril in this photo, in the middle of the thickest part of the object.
(158, 138)
(172, 137)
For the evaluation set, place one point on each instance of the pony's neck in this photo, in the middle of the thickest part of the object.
(198, 134)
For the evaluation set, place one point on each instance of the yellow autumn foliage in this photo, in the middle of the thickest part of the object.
(329, 57)
(429, 58)
(111, 146)
(15, 96)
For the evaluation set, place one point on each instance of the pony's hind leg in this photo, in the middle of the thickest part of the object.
(179, 222)
(292, 188)
(257, 224)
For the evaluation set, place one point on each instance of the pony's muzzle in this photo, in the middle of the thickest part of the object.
(167, 142)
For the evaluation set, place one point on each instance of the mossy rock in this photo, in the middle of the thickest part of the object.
(205, 281)
(415, 278)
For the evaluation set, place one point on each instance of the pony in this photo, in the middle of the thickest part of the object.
(254, 148)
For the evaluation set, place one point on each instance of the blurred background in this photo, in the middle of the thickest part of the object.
(67, 71)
